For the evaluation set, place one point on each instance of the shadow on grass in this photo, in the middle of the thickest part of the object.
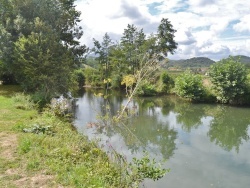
(9, 90)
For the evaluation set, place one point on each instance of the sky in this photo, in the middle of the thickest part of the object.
(205, 28)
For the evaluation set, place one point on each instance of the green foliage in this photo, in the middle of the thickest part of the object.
(1, 69)
(116, 80)
(166, 83)
(165, 37)
(39, 129)
(189, 86)
(40, 47)
(242, 59)
(103, 51)
(92, 62)
(125, 57)
(24, 146)
(146, 89)
(79, 77)
(132, 174)
(40, 62)
(92, 77)
(24, 102)
(229, 78)
(128, 81)
(195, 62)
(146, 168)
(132, 43)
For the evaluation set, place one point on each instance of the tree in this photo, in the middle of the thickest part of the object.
(189, 85)
(42, 64)
(132, 42)
(43, 39)
(229, 79)
(165, 38)
(166, 82)
(103, 52)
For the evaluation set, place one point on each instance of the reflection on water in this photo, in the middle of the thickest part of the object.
(206, 145)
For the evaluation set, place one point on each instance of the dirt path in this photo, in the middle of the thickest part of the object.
(12, 174)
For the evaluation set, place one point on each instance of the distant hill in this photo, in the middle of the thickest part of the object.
(195, 62)
(243, 59)
(199, 62)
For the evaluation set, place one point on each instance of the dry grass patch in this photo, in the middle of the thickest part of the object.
(8, 145)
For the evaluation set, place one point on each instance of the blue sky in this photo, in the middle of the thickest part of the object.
(205, 28)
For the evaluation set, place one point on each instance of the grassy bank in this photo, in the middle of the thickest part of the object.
(49, 153)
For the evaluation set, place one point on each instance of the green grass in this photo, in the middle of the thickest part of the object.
(70, 158)
(9, 114)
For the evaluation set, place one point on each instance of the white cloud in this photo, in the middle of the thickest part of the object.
(170, 5)
(184, 37)
(200, 2)
(201, 24)
(243, 25)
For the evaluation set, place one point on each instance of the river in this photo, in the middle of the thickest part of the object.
(204, 145)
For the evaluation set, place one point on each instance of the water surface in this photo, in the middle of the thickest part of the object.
(205, 145)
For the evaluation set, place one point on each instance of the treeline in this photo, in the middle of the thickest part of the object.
(114, 60)
(39, 47)
(40, 50)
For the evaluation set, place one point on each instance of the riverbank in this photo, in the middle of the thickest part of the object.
(42, 150)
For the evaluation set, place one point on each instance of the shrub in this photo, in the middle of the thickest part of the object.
(166, 83)
(116, 80)
(229, 79)
(146, 89)
(79, 76)
(92, 77)
(189, 86)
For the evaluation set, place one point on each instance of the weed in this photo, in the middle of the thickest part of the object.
(25, 146)
(23, 102)
(39, 129)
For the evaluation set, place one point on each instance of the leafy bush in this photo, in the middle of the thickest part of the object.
(116, 80)
(5, 76)
(129, 81)
(146, 168)
(146, 89)
(166, 83)
(92, 77)
(189, 86)
(79, 76)
(229, 79)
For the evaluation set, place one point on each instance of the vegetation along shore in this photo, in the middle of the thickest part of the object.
(41, 58)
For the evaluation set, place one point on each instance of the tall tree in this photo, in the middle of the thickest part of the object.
(132, 41)
(42, 64)
(48, 32)
(229, 79)
(165, 38)
(103, 51)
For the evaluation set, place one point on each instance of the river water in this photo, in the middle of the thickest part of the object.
(204, 145)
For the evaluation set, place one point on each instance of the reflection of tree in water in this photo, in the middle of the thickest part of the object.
(145, 132)
(166, 104)
(189, 115)
(229, 127)
(153, 133)
(146, 105)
